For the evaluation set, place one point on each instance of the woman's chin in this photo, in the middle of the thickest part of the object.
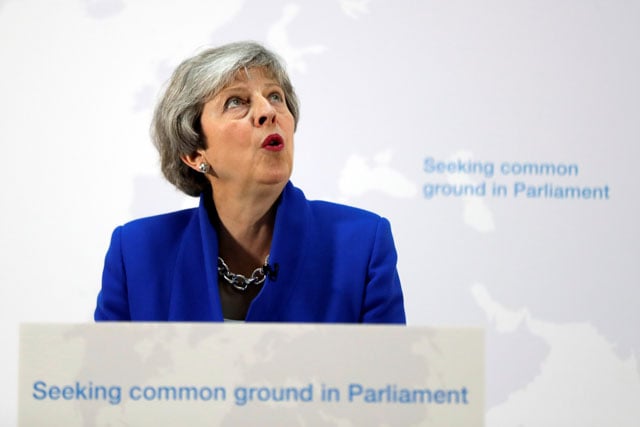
(275, 181)
(275, 177)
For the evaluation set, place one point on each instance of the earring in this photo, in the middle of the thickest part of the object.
(204, 167)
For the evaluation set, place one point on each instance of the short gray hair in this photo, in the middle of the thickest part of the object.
(176, 130)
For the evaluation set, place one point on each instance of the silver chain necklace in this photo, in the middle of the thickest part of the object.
(239, 281)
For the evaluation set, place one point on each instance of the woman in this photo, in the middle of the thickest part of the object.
(255, 249)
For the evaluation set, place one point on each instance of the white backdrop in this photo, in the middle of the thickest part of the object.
(389, 90)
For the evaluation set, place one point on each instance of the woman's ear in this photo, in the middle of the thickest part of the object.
(195, 160)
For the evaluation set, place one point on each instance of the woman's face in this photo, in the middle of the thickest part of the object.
(249, 133)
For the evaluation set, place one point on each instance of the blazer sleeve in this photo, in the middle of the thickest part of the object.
(383, 300)
(113, 302)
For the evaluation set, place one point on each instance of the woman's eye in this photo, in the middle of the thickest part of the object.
(275, 97)
(233, 103)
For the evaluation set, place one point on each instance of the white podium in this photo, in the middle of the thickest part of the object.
(208, 374)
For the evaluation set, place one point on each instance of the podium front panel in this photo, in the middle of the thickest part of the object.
(206, 374)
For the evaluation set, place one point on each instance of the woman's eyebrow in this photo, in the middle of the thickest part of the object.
(242, 85)
(234, 87)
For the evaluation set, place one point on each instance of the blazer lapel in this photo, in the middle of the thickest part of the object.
(194, 295)
(288, 249)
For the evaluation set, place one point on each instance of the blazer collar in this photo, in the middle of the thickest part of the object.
(288, 249)
(195, 296)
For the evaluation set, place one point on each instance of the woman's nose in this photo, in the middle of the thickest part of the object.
(264, 112)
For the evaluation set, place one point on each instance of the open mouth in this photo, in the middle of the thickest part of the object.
(273, 142)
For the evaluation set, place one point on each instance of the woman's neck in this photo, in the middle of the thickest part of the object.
(245, 228)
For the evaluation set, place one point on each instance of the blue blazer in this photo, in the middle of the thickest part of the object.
(335, 264)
